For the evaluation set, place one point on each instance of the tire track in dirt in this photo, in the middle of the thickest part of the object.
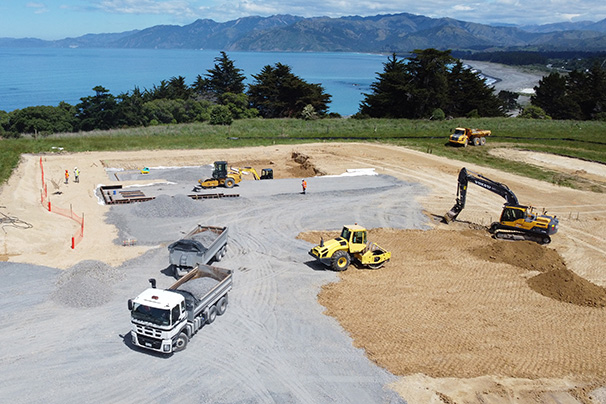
(463, 318)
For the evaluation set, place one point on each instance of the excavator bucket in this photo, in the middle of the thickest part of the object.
(452, 213)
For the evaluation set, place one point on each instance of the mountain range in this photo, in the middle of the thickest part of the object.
(399, 33)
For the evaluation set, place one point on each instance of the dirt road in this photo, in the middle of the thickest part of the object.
(448, 320)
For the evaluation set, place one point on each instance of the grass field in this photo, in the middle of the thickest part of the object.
(580, 139)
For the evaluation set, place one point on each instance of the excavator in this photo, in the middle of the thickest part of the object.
(517, 222)
(266, 173)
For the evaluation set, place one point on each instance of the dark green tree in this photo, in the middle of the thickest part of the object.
(429, 80)
(277, 93)
(42, 120)
(98, 111)
(130, 109)
(552, 96)
(223, 78)
(390, 96)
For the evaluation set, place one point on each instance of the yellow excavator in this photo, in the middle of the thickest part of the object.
(266, 173)
(517, 222)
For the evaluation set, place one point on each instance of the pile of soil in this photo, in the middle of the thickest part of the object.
(555, 281)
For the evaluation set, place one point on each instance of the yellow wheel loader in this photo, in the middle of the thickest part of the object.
(352, 244)
(518, 222)
(222, 177)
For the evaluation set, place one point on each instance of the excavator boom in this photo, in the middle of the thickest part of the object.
(465, 177)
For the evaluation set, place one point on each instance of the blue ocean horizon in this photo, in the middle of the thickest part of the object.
(48, 76)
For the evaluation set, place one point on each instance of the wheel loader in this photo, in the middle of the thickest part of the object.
(222, 177)
(352, 244)
(517, 222)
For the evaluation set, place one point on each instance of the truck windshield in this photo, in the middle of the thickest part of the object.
(151, 314)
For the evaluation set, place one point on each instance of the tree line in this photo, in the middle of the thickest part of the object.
(429, 84)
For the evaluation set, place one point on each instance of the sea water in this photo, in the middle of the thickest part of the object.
(47, 76)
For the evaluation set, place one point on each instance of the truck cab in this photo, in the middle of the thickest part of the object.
(157, 318)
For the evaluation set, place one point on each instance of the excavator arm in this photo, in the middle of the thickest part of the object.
(465, 177)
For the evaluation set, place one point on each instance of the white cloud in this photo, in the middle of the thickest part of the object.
(39, 8)
(169, 7)
(480, 11)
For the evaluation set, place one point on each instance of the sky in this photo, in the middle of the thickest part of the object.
(58, 19)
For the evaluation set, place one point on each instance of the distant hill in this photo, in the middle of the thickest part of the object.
(399, 33)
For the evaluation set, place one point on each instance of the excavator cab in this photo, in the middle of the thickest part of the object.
(267, 174)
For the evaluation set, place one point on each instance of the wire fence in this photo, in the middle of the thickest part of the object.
(69, 213)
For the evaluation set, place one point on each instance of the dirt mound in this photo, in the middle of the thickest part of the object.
(527, 255)
(306, 167)
(458, 303)
(566, 286)
(555, 281)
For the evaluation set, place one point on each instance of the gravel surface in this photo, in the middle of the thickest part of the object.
(274, 344)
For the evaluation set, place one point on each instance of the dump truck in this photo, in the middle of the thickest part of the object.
(465, 136)
(517, 222)
(164, 320)
(200, 246)
(352, 244)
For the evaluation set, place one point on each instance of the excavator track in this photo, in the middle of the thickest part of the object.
(515, 235)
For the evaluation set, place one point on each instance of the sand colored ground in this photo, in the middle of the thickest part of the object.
(467, 324)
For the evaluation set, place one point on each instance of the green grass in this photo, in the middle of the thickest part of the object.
(586, 140)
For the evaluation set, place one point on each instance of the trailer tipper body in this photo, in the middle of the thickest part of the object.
(164, 320)
(200, 246)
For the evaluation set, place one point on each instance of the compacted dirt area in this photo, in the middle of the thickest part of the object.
(458, 316)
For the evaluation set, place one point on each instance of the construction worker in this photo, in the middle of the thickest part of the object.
(304, 185)
(66, 176)
(76, 174)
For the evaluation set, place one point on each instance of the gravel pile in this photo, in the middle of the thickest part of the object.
(206, 238)
(86, 284)
(200, 286)
(169, 206)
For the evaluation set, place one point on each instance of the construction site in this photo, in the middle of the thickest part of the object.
(450, 313)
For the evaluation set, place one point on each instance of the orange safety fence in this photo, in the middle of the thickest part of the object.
(69, 213)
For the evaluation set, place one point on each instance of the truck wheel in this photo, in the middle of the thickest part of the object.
(482, 141)
(222, 305)
(340, 260)
(180, 342)
(220, 254)
(465, 143)
(229, 183)
(476, 141)
(212, 315)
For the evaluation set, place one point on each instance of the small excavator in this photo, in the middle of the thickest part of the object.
(517, 222)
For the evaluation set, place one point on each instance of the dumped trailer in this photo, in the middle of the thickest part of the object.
(198, 247)
(165, 320)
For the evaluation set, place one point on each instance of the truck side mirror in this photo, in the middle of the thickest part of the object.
(152, 281)
(130, 304)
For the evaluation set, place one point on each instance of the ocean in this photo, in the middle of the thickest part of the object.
(47, 76)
